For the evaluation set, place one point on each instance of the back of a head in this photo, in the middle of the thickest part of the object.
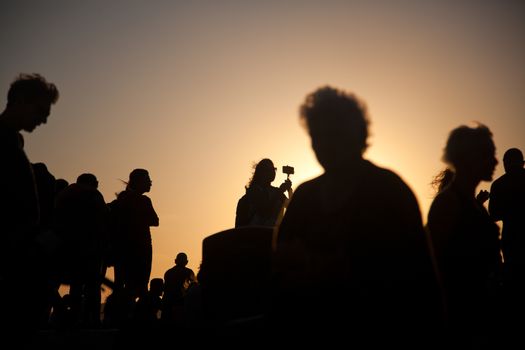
(31, 87)
(156, 286)
(513, 160)
(41, 171)
(40, 167)
(336, 121)
(181, 259)
(87, 179)
(60, 184)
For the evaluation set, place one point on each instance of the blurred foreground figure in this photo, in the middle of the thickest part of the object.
(352, 263)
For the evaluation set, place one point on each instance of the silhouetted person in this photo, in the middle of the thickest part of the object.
(507, 204)
(22, 279)
(149, 306)
(177, 281)
(351, 257)
(466, 240)
(262, 204)
(131, 240)
(81, 223)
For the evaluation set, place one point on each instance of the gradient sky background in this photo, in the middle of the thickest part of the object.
(196, 92)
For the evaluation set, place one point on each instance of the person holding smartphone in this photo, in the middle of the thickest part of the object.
(263, 204)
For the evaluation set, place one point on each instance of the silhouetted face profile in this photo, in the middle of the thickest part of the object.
(34, 113)
(513, 160)
(264, 173)
(338, 127)
(30, 98)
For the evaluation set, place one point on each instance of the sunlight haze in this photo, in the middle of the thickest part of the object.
(197, 92)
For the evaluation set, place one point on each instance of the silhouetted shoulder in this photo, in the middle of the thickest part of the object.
(498, 184)
(498, 181)
(446, 202)
(445, 212)
(309, 186)
(373, 181)
(386, 178)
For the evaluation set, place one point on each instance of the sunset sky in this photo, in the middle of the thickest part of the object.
(198, 91)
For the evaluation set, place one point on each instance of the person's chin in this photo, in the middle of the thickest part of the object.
(29, 128)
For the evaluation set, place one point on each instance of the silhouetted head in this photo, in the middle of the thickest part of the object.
(513, 160)
(338, 126)
(139, 181)
(264, 173)
(88, 180)
(29, 100)
(156, 286)
(181, 259)
(471, 150)
(40, 170)
(43, 177)
(60, 184)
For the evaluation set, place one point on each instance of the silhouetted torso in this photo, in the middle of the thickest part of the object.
(470, 256)
(507, 203)
(177, 280)
(22, 283)
(134, 214)
(260, 206)
(20, 209)
(352, 247)
(81, 219)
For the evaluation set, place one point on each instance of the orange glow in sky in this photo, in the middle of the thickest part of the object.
(198, 92)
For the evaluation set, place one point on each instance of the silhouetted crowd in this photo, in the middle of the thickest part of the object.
(344, 260)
